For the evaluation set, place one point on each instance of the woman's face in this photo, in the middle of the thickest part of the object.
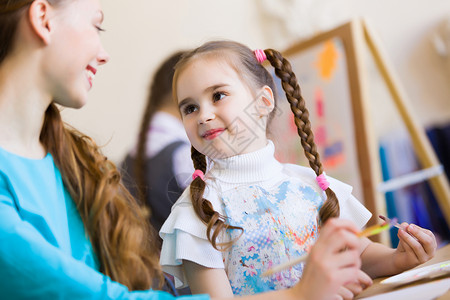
(74, 51)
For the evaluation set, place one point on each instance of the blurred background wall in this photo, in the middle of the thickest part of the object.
(140, 33)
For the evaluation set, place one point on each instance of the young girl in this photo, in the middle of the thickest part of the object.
(68, 227)
(245, 212)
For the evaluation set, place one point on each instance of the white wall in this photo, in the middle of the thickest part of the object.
(140, 35)
(405, 29)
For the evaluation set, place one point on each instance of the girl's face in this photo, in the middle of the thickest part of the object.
(218, 109)
(74, 51)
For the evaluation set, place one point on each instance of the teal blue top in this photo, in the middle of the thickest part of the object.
(44, 250)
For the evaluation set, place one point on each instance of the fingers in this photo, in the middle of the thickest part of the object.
(352, 289)
(421, 242)
(347, 259)
(425, 237)
(404, 225)
(364, 280)
(335, 223)
(346, 276)
(329, 267)
(411, 245)
(342, 232)
(345, 293)
(335, 236)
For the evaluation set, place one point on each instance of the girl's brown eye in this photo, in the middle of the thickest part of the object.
(189, 109)
(218, 96)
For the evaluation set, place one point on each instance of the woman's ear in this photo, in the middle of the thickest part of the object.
(39, 17)
(266, 101)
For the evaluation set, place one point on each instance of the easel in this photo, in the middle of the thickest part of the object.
(422, 146)
(355, 35)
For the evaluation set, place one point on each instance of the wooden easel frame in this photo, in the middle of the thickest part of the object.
(355, 35)
(423, 149)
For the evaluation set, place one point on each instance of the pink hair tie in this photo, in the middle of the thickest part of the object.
(260, 55)
(322, 181)
(198, 173)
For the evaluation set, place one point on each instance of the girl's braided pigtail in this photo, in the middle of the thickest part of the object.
(292, 89)
(203, 208)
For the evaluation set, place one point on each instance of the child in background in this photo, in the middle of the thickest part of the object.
(244, 211)
(159, 169)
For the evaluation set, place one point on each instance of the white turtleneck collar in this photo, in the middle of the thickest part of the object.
(259, 165)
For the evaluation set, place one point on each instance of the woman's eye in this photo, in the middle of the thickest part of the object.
(99, 28)
(218, 96)
(188, 109)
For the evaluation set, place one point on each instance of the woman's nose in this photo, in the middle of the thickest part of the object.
(103, 57)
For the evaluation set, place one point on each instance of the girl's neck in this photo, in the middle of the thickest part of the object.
(22, 108)
(258, 165)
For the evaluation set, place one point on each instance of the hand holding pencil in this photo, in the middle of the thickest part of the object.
(329, 269)
(416, 246)
(369, 231)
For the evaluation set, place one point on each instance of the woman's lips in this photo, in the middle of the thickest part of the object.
(91, 74)
(92, 69)
(213, 133)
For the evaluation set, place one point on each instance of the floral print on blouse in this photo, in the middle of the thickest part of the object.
(279, 224)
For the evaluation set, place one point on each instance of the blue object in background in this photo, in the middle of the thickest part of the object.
(390, 201)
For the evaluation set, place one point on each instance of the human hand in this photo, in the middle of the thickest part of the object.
(352, 289)
(416, 246)
(329, 267)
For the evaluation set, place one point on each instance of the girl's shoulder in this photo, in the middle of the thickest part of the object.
(299, 171)
(183, 217)
(342, 190)
(350, 207)
(185, 202)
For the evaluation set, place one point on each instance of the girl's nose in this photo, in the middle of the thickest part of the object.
(206, 116)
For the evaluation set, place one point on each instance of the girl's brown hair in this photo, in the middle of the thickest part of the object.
(116, 225)
(243, 60)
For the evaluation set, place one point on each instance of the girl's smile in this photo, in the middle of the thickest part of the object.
(213, 133)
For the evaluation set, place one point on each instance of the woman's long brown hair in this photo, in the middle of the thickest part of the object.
(117, 227)
(243, 60)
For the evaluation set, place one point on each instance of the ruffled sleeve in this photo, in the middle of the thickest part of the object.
(184, 238)
(350, 208)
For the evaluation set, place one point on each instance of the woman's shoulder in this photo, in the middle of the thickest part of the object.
(18, 169)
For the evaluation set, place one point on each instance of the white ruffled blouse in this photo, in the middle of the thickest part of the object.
(276, 204)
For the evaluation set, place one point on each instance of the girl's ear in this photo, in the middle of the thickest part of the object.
(266, 101)
(39, 17)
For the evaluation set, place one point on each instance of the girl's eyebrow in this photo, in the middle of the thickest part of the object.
(216, 86)
(207, 90)
(184, 101)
